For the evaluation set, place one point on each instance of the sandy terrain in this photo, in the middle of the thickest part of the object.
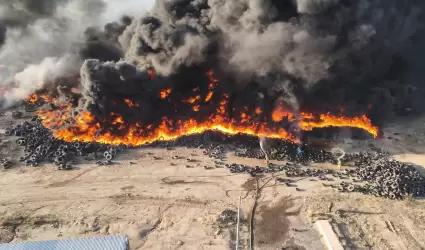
(157, 205)
(173, 204)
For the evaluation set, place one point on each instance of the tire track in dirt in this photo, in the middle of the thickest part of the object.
(123, 198)
(66, 182)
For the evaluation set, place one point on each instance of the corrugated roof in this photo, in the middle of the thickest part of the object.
(111, 242)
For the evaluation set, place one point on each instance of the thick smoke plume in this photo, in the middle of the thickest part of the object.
(43, 41)
(360, 56)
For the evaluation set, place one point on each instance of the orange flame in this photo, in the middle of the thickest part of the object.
(86, 128)
(152, 74)
(328, 120)
(211, 85)
(209, 96)
(131, 104)
(87, 131)
(164, 93)
(211, 78)
(192, 99)
(32, 99)
(279, 113)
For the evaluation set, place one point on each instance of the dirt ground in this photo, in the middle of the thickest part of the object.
(176, 204)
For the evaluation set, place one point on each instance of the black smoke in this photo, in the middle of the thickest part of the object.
(315, 53)
(364, 56)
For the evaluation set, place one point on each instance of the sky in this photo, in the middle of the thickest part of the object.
(116, 8)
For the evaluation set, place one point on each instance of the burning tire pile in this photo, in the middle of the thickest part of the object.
(40, 145)
(162, 76)
(384, 177)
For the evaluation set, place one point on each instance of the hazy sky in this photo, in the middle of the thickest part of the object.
(116, 8)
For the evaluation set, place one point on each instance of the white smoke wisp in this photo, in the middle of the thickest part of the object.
(37, 76)
(339, 153)
(41, 50)
(44, 44)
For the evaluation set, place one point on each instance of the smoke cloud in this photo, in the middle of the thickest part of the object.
(362, 55)
(42, 42)
(312, 53)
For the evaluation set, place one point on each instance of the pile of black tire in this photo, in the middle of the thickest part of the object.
(385, 177)
(6, 164)
(40, 145)
(389, 178)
